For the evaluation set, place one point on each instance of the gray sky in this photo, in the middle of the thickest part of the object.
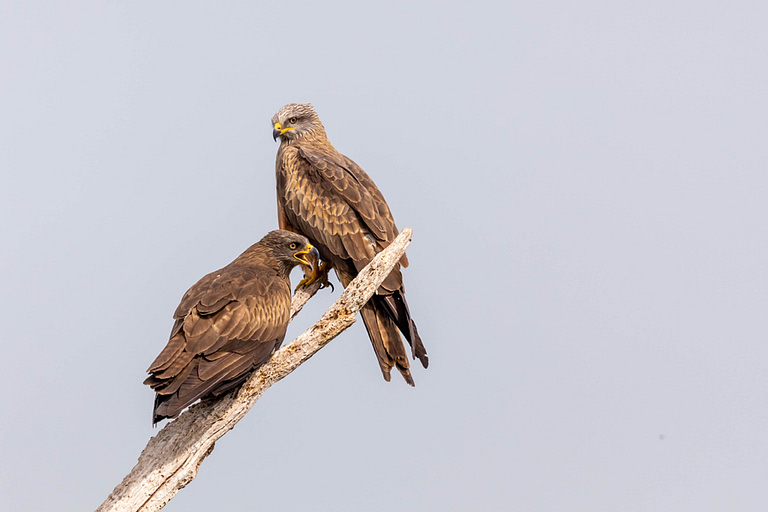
(588, 190)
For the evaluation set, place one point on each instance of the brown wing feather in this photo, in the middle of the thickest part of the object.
(174, 347)
(345, 178)
(227, 324)
(327, 197)
(330, 199)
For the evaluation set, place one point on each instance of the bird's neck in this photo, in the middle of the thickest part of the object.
(284, 269)
(254, 256)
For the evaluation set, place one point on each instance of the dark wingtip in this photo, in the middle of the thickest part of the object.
(156, 418)
(418, 351)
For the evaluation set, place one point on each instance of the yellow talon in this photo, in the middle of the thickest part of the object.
(318, 272)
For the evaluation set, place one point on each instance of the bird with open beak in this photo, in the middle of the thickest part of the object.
(228, 324)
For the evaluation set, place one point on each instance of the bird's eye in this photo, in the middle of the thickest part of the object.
(293, 245)
(292, 120)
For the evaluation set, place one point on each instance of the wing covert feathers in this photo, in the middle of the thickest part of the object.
(334, 203)
(228, 324)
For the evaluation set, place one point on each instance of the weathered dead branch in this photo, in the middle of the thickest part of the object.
(171, 458)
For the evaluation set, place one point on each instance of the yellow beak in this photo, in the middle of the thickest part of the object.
(302, 255)
(279, 130)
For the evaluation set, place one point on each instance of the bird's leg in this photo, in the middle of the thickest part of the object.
(325, 267)
(317, 272)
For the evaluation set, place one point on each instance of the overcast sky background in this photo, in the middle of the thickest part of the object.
(588, 190)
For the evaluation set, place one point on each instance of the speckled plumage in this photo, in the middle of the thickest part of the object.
(328, 198)
(227, 324)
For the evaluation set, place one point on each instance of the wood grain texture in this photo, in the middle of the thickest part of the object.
(171, 458)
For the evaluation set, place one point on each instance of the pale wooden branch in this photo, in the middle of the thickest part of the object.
(171, 458)
(302, 295)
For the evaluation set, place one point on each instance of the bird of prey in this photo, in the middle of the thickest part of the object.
(328, 198)
(228, 324)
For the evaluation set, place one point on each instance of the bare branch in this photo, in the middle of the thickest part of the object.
(301, 296)
(171, 458)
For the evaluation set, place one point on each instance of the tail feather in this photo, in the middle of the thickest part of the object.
(386, 361)
(386, 340)
(385, 316)
(397, 307)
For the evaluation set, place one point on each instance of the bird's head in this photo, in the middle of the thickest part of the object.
(294, 121)
(290, 249)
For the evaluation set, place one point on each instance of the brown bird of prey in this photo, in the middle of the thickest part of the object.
(328, 198)
(228, 324)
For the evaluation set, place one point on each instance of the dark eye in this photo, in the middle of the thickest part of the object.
(293, 245)
(293, 120)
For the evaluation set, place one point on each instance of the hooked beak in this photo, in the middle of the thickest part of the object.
(302, 255)
(279, 130)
